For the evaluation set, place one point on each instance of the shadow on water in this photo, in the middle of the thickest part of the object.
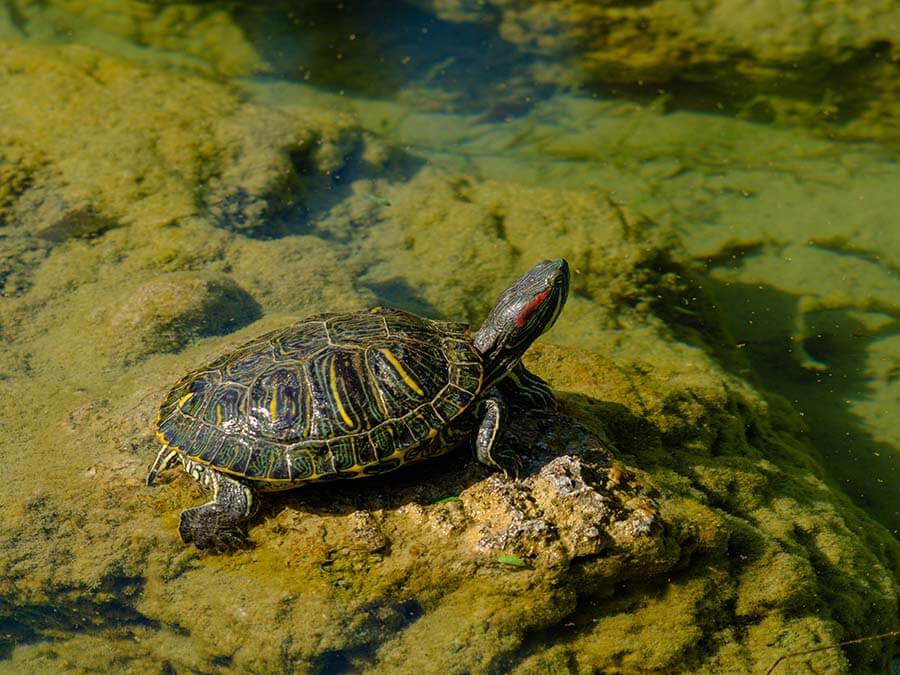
(397, 292)
(23, 624)
(862, 466)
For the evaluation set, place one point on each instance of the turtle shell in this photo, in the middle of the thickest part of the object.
(333, 396)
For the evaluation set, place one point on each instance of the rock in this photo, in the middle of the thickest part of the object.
(366, 533)
(568, 506)
(168, 312)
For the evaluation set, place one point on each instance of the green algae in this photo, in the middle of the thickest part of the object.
(446, 500)
(719, 543)
(511, 560)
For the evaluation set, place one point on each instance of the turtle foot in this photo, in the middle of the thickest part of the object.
(208, 529)
(219, 525)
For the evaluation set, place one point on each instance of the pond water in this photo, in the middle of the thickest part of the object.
(177, 178)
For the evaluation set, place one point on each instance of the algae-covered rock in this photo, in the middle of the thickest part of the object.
(168, 312)
(198, 37)
(86, 133)
(670, 516)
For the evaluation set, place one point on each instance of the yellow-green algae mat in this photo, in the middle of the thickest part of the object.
(672, 517)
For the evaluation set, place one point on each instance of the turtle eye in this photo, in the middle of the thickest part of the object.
(529, 309)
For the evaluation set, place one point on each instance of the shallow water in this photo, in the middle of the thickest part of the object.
(177, 179)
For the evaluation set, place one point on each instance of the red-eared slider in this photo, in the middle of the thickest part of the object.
(348, 395)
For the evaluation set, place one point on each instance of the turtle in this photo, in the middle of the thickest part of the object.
(349, 395)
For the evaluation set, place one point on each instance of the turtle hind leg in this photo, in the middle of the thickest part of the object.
(220, 524)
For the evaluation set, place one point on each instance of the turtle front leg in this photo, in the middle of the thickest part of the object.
(219, 524)
(523, 385)
(493, 415)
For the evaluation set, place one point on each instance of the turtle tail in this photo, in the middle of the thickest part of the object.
(164, 460)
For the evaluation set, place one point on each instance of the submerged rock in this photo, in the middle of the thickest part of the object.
(168, 312)
(768, 61)
(79, 223)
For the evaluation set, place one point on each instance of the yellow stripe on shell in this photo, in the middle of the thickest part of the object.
(273, 405)
(411, 383)
(332, 378)
(184, 399)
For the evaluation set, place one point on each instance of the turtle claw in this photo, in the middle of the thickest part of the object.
(508, 462)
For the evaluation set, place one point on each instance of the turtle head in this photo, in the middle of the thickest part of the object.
(525, 310)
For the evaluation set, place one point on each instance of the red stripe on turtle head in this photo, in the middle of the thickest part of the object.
(529, 309)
